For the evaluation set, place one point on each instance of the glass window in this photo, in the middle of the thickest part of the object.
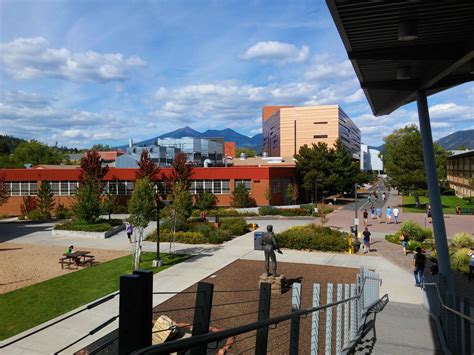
(225, 186)
(24, 188)
(217, 186)
(33, 188)
(199, 186)
(130, 187)
(73, 187)
(54, 187)
(208, 186)
(15, 189)
(276, 185)
(246, 183)
(122, 187)
(64, 188)
(113, 187)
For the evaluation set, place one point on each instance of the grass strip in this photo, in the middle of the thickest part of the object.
(449, 204)
(30, 306)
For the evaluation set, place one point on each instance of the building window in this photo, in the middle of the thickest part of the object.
(55, 188)
(225, 186)
(321, 122)
(246, 183)
(276, 185)
(217, 188)
(320, 136)
(208, 186)
(15, 189)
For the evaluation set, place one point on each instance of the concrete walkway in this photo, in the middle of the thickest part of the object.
(397, 282)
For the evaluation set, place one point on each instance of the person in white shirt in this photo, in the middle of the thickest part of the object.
(396, 213)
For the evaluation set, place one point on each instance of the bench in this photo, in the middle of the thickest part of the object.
(65, 261)
(88, 259)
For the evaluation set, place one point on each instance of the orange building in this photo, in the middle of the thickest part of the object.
(286, 128)
(220, 181)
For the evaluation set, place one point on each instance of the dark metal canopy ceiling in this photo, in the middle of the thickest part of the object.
(391, 70)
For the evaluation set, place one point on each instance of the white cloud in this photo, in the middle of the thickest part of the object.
(29, 58)
(452, 112)
(277, 51)
(326, 67)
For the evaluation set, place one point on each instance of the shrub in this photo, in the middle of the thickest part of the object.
(29, 204)
(224, 212)
(100, 225)
(218, 236)
(241, 198)
(180, 237)
(36, 215)
(413, 244)
(413, 231)
(289, 212)
(268, 211)
(168, 223)
(61, 212)
(205, 201)
(308, 206)
(449, 192)
(119, 209)
(462, 240)
(460, 260)
(393, 238)
(326, 210)
(236, 226)
(313, 237)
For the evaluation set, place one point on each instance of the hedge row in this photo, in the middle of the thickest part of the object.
(313, 237)
(101, 225)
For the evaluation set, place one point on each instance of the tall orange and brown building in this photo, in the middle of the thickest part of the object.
(287, 128)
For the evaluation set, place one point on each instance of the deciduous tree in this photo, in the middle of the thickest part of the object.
(146, 167)
(182, 171)
(34, 152)
(141, 207)
(91, 166)
(240, 197)
(403, 159)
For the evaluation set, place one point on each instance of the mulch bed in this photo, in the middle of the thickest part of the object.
(241, 307)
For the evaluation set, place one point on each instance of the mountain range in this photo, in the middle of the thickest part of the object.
(458, 140)
(228, 134)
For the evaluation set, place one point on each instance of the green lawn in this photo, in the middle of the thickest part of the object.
(449, 204)
(32, 305)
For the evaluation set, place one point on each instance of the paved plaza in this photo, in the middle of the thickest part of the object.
(208, 259)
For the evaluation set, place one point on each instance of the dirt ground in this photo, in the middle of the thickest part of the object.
(232, 308)
(26, 264)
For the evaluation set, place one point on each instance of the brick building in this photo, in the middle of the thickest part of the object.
(220, 181)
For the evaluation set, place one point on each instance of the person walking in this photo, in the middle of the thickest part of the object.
(419, 262)
(369, 199)
(383, 196)
(404, 240)
(372, 212)
(366, 217)
(429, 214)
(396, 213)
(379, 214)
(129, 230)
(366, 241)
(388, 214)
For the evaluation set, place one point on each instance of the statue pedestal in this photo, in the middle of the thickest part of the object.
(277, 282)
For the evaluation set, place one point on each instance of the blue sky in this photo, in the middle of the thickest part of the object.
(86, 72)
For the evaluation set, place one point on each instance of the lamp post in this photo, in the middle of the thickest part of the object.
(356, 220)
(316, 191)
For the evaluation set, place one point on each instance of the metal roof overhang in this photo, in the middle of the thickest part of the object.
(440, 58)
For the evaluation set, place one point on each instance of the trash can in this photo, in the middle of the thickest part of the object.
(257, 237)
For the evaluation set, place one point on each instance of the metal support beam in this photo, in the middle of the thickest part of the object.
(202, 314)
(315, 320)
(439, 228)
(263, 313)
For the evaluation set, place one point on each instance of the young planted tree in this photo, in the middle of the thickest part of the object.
(322, 212)
(87, 206)
(182, 171)
(240, 197)
(141, 207)
(29, 204)
(268, 194)
(45, 200)
(292, 193)
(4, 191)
(205, 201)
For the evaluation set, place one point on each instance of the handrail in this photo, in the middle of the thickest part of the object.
(182, 344)
(471, 320)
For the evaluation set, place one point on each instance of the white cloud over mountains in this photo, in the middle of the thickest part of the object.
(30, 58)
(277, 51)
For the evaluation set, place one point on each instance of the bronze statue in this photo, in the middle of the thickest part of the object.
(270, 244)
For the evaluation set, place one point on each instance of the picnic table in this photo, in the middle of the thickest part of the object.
(78, 258)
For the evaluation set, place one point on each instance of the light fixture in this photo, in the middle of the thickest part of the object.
(407, 30)
(403, 73)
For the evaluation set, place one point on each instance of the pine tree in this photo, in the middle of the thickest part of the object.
(45, 199)
(240, 197)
